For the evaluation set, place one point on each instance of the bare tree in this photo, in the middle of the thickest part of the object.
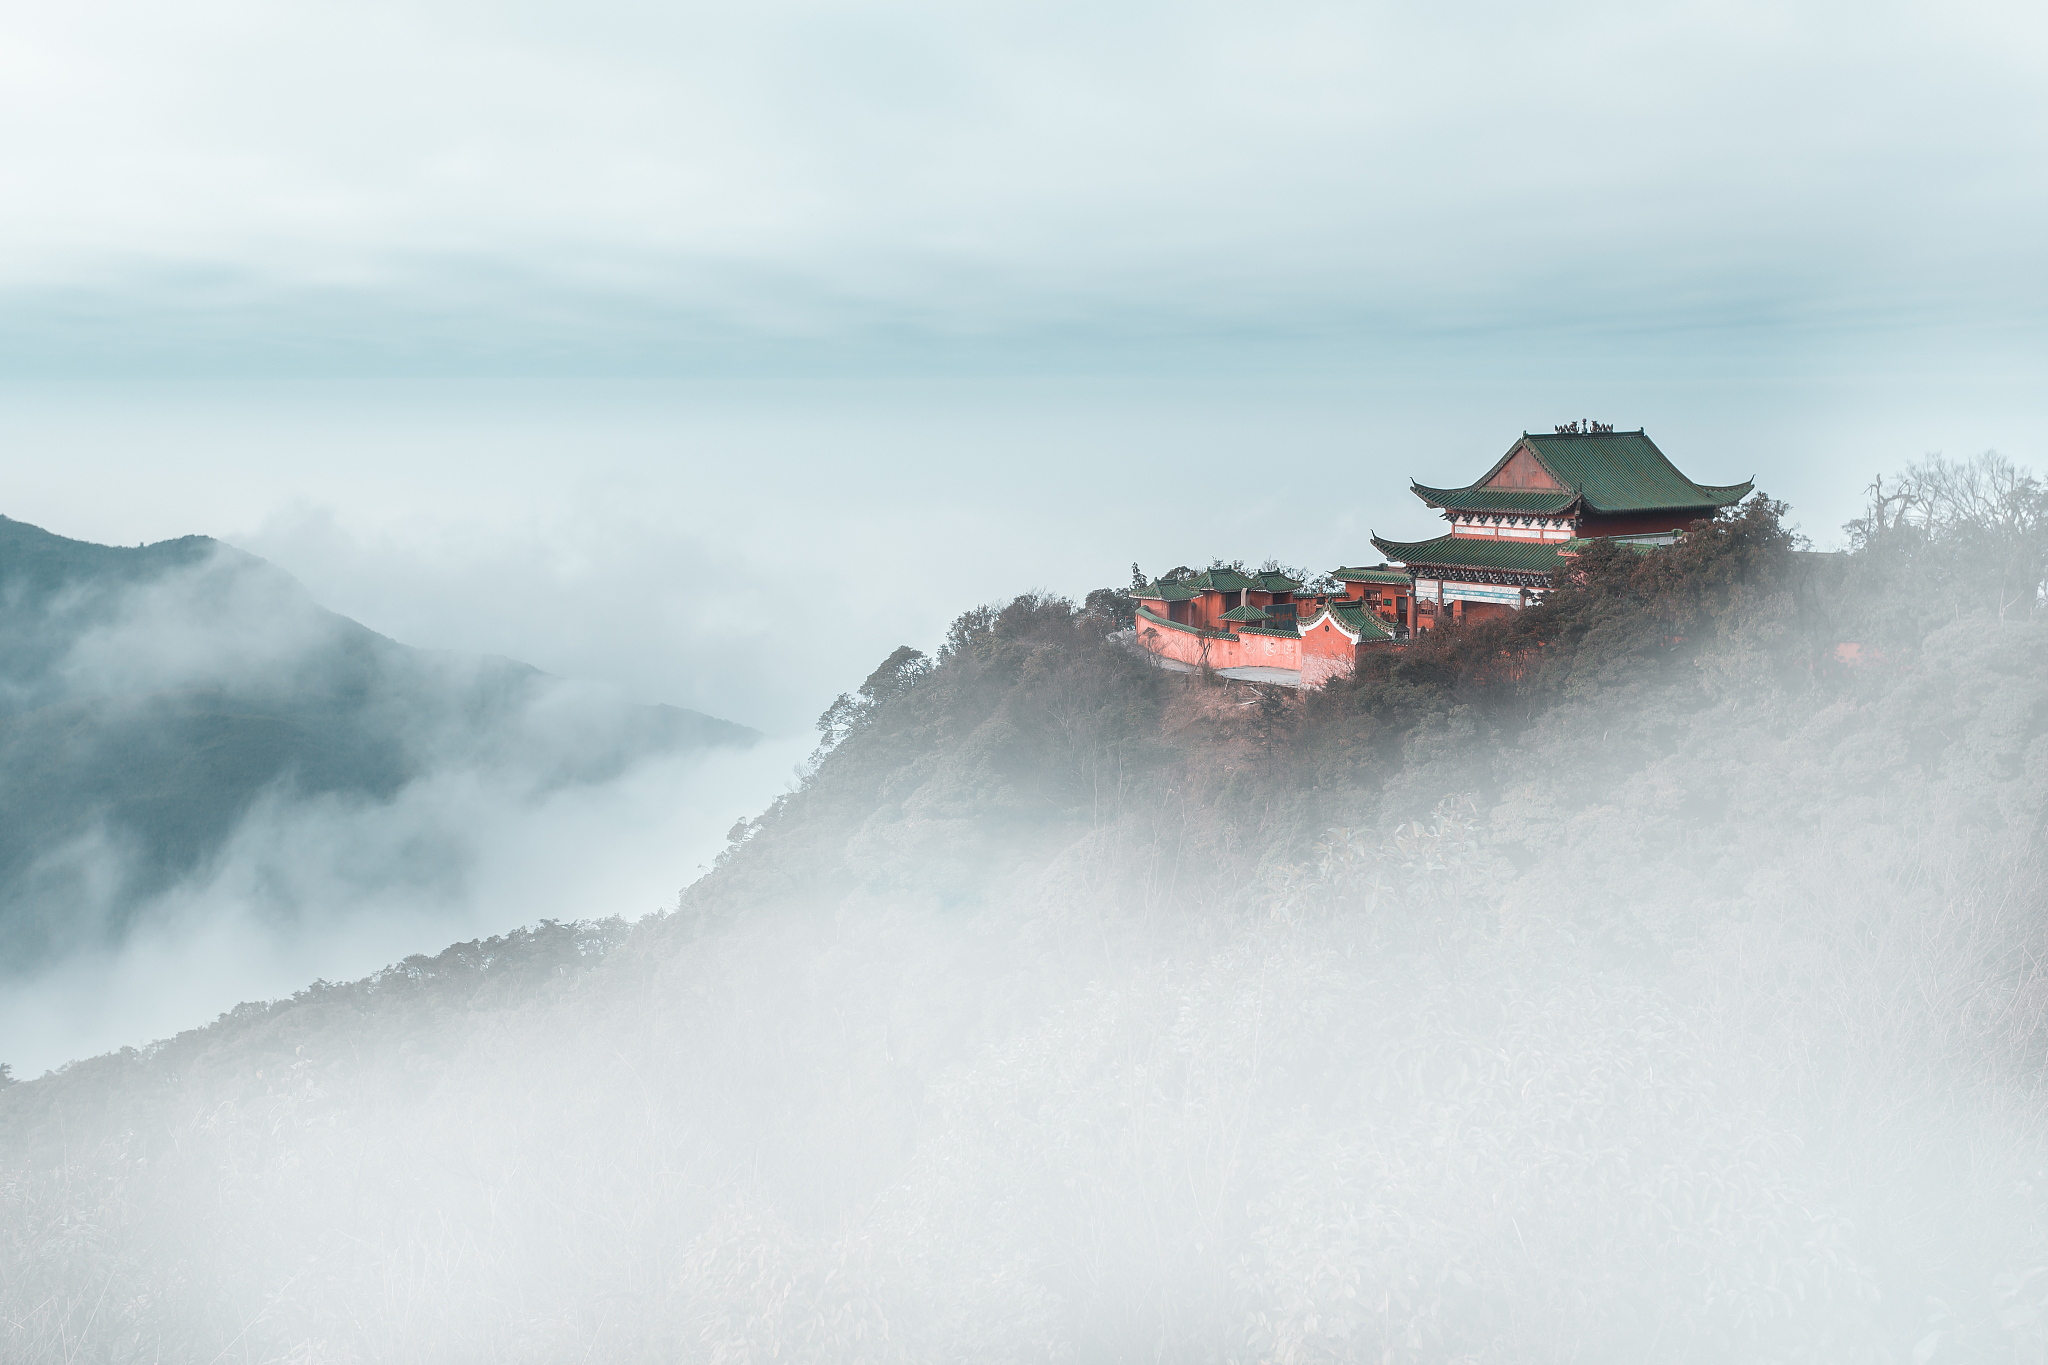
(1968, 529)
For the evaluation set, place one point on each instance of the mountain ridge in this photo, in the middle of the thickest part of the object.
(150, 695)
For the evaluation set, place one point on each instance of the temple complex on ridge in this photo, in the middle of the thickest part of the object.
(1511, 530)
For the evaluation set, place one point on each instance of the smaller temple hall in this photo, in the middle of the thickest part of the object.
(1511, 529)
(1225, 620)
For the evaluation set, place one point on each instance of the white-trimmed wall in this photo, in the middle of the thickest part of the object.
(1507, 526)
(1500, 594)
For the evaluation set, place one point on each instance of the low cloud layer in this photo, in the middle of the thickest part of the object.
(339, 888)
(213, 787)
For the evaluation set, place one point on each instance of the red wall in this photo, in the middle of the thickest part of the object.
(1326, 653)
(1522, 471)
(1323, 653)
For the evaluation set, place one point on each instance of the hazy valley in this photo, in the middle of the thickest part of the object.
(185, 732)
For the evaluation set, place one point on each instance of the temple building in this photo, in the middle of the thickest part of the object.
(1511, 530)
(1510, 527)
(1220, 598)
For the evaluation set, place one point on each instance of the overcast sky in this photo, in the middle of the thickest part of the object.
(622, 337)
(444, 183)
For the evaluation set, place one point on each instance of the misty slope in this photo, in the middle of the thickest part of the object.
(1625, 982)
(150, 696)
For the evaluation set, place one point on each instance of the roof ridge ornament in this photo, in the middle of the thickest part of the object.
(1585, 426)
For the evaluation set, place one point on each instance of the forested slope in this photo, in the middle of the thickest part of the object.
(1631, 980)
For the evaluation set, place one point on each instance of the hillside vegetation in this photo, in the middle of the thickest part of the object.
(1632, 980)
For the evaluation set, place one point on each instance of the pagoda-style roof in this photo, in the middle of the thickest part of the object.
(1609, 471)
(1274, 582)
(1244, 613)
(1222, 580)
(1209, 580)
(1377, 574)
(1479, 553)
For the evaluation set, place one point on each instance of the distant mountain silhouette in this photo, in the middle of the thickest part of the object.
(150, 695)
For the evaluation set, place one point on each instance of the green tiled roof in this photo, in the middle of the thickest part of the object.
(1244, 613)
(1521, 501)
(1517, 556)
(1285, 632)
(1381, 574)
(1157, 620)
(1223, 580)
(1364, 624)
(1275, 582)
(1621, 471)
(1209, 580)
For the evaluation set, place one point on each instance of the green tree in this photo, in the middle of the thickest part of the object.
(892, 677)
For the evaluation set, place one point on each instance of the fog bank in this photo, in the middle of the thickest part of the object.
(214, 789)
(364, 884)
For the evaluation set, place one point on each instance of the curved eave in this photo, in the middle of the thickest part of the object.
(1520, 502)
(1364, 625)
(1472, 555)
(1355, 626)
(1726, 494)
(1712, 498)
(1434, 497)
